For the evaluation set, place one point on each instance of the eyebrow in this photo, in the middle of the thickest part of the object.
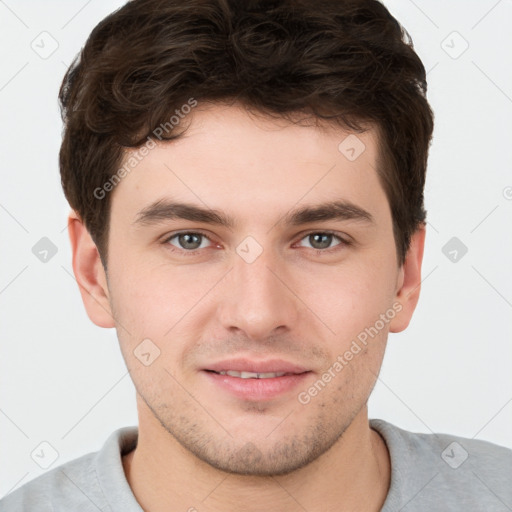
(165, 209)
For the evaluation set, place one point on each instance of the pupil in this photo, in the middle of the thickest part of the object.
(317, 242)
(187, 241)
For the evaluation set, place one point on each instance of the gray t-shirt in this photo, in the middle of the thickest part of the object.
(429, 472)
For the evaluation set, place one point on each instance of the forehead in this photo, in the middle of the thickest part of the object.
(230, 159)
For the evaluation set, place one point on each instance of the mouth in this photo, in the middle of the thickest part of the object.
(252, 375)
(256, 380)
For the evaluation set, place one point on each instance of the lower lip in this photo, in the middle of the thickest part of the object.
(257, 389)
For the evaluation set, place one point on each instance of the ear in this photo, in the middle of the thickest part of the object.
(409, 281)
(89, 273)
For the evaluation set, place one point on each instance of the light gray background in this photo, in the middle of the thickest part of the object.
(62, 379)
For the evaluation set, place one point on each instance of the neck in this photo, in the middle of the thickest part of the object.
(353, 475)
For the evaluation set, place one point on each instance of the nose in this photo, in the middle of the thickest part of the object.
(258, 298)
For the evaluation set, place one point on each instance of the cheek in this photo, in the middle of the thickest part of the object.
(351, 297)
(152, 311)
(154, 300)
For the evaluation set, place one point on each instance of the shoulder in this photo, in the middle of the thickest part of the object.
(60, 485)
(89, 483)
(446, 471)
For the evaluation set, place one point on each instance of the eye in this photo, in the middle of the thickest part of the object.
(188, 240)
(322, 240)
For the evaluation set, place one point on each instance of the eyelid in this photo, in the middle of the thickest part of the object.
(344, 239)
(167, 239)
(301, 235)
(324, 232)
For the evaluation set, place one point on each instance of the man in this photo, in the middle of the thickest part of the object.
(246, 182)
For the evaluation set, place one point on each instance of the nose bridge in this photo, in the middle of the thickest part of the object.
(257, 301)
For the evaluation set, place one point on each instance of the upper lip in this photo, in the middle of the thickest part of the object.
(248, 365)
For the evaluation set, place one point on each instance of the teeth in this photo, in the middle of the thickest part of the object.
(252, 375)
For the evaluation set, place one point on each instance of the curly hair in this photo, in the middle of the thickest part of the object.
(348, 62)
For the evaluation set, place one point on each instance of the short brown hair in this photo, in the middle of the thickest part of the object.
(345, 61)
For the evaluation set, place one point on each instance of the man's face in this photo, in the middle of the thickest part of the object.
(264, 295)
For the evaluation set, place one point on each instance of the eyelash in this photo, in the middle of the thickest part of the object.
(193, 252)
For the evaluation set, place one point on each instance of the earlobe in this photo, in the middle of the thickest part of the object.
(409, 281)
(89, 273)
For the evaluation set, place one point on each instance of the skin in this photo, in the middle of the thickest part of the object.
(200, 447)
